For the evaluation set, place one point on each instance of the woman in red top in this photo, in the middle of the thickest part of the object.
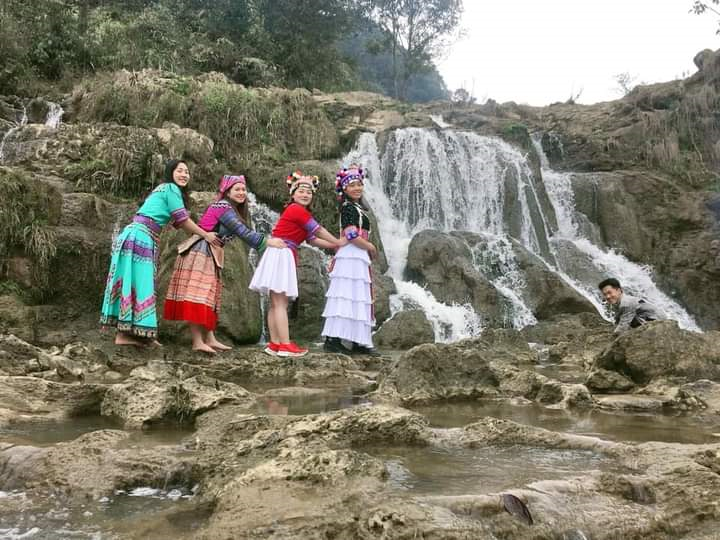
(276, 273)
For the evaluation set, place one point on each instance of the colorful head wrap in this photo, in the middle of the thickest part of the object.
(353, 173)
(297, 178)
(226, 182)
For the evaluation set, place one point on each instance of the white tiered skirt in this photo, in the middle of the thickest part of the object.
(276, 272)
(348, 309)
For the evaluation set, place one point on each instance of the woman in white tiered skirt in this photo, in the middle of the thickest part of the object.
(349, 313)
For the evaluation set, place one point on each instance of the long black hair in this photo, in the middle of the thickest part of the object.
(170, 166)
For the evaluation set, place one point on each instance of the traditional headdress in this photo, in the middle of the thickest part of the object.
(226, 182)
(353, 173)
(297, 178)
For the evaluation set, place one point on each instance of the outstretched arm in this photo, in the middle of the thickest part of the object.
(322, 243)
(232, 221)
(332, 242)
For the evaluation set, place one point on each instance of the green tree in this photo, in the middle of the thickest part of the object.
(416, 31)
(702, 7)
(301, 37)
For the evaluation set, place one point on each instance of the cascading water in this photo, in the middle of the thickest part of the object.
(497, 260)
(636, 279)
(10, 133)
(450, 322)
(458, 181)
(54, 115)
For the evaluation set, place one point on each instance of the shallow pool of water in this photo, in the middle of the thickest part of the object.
(48, 433)
(168, 513)
(309, 403)
(614, 426)
(461, 471)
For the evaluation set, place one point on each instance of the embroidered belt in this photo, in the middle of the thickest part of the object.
(148, 222)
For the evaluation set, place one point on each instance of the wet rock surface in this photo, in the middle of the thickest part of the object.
(459, 268)
(663, 349)
(405, 330)
(347, 468)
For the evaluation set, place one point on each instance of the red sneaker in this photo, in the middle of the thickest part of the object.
(272, 348)
(291, 349)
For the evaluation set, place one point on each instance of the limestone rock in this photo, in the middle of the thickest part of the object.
(443, 263)
(661, 348)
(16, 318)
(93, 465)
(144, 400)
(36, 396)
(701, 394)
(606, 382)
(405, 330)
(459, 268)
(432, 372)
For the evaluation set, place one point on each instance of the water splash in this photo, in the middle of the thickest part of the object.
(496, 259)
(263, 217)
(54, 115)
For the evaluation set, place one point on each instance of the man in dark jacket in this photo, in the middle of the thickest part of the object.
(630, 311)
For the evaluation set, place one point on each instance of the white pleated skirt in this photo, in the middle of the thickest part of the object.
(349, 305)
(276, 272)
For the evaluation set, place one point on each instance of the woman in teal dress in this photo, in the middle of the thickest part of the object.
(129, 301)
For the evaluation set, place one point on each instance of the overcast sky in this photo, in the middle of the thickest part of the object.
(538, 52)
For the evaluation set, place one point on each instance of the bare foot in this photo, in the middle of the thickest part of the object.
(217, 345)
(127, 339)
(201, 347)
(154, 344)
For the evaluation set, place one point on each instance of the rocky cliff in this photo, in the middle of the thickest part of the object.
(645, 176)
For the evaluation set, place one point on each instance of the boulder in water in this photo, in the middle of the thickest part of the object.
(606, 382)
(443, 263)
(463, 267)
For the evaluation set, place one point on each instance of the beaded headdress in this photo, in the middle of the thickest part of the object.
(353, 173)
(297, 178)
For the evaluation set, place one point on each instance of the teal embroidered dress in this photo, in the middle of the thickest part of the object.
(129, 300)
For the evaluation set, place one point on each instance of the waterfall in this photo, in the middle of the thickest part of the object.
(54, 115)
(450, 322)
(497, 262)
(263, 217)
(10, 133)
(635, 278)
(448, 180)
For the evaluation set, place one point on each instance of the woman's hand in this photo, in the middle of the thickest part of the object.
(276, 243)
(342, 241)
(213, 239)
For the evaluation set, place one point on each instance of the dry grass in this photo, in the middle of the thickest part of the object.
(246, 124)
(24, 215)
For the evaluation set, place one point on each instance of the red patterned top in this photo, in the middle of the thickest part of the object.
(296, 224)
